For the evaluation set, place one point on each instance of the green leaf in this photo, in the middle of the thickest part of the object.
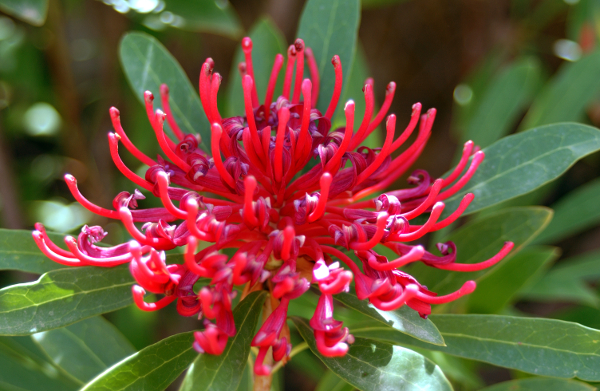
(521, 163)
(481, 239)
(574, 213)
(568, 93)
(496, 290)
(267, 42)
(31, 11)
(372, 365)
(215, 17)
(403, 319)
(332, 382)
(504, 100)
(151, 369)
(540, 384)
(62, 297)
(23, 367)
(224, 372)
(544, 347)
(86, 348)
(148, 64)
(330, 27)
(18, 251)
(566, 281)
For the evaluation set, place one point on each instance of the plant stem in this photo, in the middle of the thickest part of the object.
(263, 383)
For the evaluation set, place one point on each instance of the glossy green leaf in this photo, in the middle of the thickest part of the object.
(481, 239)
(544, 347)
(540, 384)
(458, 370)
(224, 372)
(31, 11)
(574, 213)
(267, 42)
(23, 368)
(332, 382)
(504, 100)
(62, 297)
(403, 319)
(148, 64)
(567, 281)
(18, 251)
(568, 93)
(215, 17)
(378, 366)
(86, 348)
(521, 163)
(330, 27)
(497, 289)
(151, 369)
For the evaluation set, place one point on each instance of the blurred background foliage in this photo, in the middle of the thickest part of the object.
(491, 68)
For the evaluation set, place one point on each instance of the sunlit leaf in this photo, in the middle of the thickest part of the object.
(62, 297)
(370, 365)
(545, 347)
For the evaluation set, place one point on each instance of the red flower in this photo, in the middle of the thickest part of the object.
(288, 225)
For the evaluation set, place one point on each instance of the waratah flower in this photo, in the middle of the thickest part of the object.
(290, 225)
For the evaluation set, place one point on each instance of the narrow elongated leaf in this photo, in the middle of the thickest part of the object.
(567, 95)
(379, 366)
(521, 163)
(481, 239)
(22, 369)
(330, 27)
(151, 369)
(503, 101)
(86, 348)
(18, 251)
(31, 11)
(575, 212)
(224, 372)
(207, 16)
(267, 42)
(497, 289)
(62, 297)
(148, 64)
(567, 281)
(540, 384)
(545, 347)
(403, 319)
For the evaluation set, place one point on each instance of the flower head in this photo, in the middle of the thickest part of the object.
(291, 226)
